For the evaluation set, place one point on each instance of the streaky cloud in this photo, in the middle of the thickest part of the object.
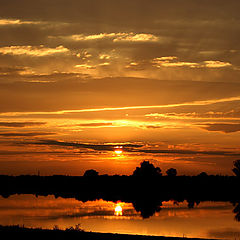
(97, 147)
(35, 51)
(222, 127)
(193, 103)
(29, 152)
(98, 124)
(20, 124)
(28, 134)
(6, 22)
(131, 148)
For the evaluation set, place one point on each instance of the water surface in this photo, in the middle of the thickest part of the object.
(206, 220)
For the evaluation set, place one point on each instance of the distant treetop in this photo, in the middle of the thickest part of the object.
(236, 168)
(171, 172)
(203, 174)
(91, 173)
(147, 169)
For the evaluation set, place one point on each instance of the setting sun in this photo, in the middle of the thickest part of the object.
(118, 150)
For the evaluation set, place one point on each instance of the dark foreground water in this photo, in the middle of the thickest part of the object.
(207, 220)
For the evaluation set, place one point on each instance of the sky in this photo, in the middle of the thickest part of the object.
(81, 79)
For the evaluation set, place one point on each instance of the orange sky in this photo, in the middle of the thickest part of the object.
(160, 76)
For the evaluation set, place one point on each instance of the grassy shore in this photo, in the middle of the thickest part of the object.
(14, 232)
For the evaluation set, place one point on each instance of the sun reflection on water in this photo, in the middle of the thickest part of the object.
(118, 210)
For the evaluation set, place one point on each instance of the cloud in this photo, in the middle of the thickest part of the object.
(169, 58)
(140, 37)
(94, 125)
(39, 51)
(29, 152)
(187, 152)
(193, 103)
(153, 126)
(97, 147)
(222, 127)
(172, 61)
(13, 71)
(228, 115)
(86, 66)
(27, 134)
(179, 64)
(132, 148)
(20, 124)
(84, 94)
(82, 37)
(4, 22)
(216, 64)
(115, 37)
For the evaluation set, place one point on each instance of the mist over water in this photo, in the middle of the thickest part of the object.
(206, 220)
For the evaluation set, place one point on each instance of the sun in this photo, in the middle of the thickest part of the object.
(118, 150)
(118, 210)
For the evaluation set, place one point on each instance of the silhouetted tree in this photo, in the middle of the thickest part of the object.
(236, 168)
(202, 174)
(147, 169)
(171, 172)
(91, 173)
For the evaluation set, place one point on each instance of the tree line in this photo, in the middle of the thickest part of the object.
(147, 169)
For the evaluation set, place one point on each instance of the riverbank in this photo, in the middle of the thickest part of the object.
(14, 232)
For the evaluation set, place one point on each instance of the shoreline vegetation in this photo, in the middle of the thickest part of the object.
(76, 233)
(146, 188)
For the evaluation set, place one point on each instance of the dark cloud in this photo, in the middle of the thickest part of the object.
(189, 28)
(153, 126)
(134, 148)
(97, 147)
(223, 127)
(2, 153)
(10, 70)
(159, 151)
(25, 134)
(20, 124)
(13, 35)
(94, 124)
(106, 10)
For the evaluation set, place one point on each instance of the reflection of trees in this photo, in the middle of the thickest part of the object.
(192, 203)
(147, 207)
(237, 211)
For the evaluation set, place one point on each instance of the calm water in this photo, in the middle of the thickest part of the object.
(208, 219)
